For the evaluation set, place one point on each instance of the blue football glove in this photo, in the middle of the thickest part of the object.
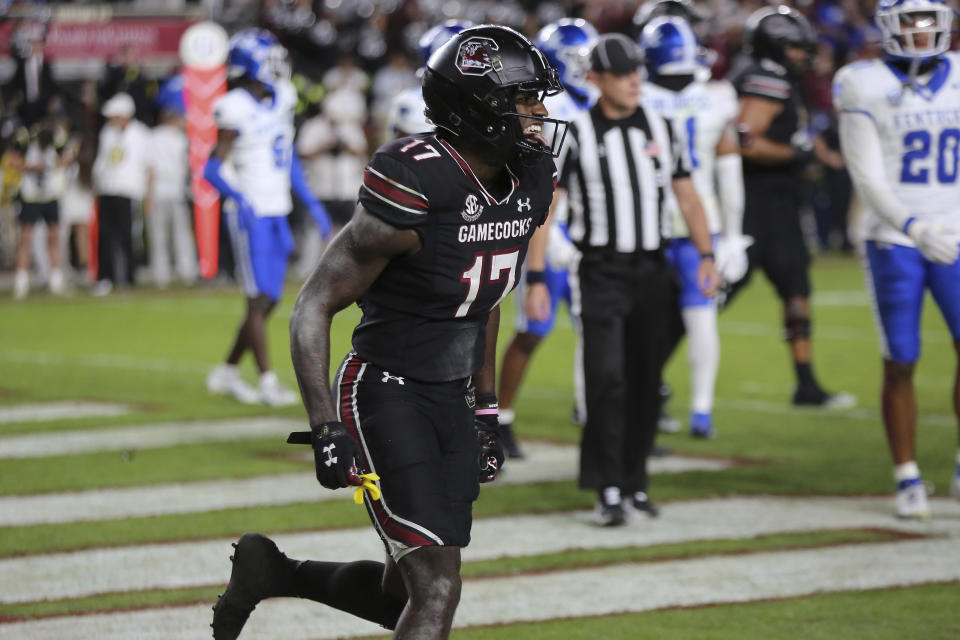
(486, 421)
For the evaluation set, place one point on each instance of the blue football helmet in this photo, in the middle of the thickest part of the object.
(567, 43)
(902, 21)
(256, 53)
(435, 37)
(669, 47)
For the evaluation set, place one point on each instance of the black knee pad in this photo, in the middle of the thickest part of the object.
(796, 325)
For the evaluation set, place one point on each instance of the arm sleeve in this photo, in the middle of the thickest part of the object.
(729, 175)
(863, 152)
(391, 191)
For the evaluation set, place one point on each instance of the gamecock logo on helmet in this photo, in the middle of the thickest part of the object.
(473, 57)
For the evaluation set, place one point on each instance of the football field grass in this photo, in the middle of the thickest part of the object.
(138, 360)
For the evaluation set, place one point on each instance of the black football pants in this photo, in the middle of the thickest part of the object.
(624, 308)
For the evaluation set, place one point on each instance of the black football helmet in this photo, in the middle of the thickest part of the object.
(655, 8)
(769, 31)
(471, 86)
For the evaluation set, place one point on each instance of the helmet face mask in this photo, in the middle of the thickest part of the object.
(914, 29)
(566, 44)
(472, 87)
(258, 55)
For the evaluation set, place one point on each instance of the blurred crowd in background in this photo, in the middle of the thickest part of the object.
(349, 59)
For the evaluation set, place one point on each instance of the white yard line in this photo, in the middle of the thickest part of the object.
(103, 360)
(41, 411)
(545, 463)
(567, 594)
(146, 436)
(183, 564)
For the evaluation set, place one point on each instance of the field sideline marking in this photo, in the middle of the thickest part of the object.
(42, 411)
(546, 462)
(565, 594)
(111, 361)
(188, 564)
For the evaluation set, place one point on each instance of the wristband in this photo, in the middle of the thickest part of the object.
(708, 256)
(535, 277)
(486, 405)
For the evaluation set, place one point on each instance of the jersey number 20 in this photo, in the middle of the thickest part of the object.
(500, 262)
(918, 146)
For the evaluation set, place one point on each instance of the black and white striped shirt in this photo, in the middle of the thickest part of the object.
(617, 174)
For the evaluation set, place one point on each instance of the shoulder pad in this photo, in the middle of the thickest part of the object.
(231, 110)
(765, 83)
(391, 189)
(848, 89)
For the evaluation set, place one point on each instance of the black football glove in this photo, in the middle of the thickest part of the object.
(487, 423)
(334, 452)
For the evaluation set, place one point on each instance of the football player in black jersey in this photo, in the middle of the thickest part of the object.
(775, 150)
(436, 242)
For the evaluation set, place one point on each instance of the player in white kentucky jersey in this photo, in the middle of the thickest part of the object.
(406, 111)
(702, 113)
(566, 44)
(900, 136)
(255, 135)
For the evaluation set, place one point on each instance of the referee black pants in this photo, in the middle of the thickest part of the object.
(624, 308)
(115, 239)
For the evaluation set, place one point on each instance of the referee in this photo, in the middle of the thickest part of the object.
(617, 167)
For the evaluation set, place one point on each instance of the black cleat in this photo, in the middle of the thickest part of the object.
(610, 511)
(642, 505)
(815, 396)
(510, 445)
(260, 571)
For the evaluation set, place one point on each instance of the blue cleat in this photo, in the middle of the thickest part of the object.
(701, 425)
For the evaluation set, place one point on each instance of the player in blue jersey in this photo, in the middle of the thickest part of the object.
(900, 134)
(566, 44)
(254, 166)
(702, 112)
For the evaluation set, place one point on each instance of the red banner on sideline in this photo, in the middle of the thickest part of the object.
(201, 89)
(106, 38)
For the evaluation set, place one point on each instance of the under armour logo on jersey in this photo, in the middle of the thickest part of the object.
(471, 208)
(331, 459)
(521, 205)
(387, 378)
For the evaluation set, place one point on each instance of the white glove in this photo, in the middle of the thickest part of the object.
(731, 255)
(561, 253)
(933, 242)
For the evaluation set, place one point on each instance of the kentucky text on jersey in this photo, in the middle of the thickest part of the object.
(678, 101)
(494, 230)
(929, 118)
